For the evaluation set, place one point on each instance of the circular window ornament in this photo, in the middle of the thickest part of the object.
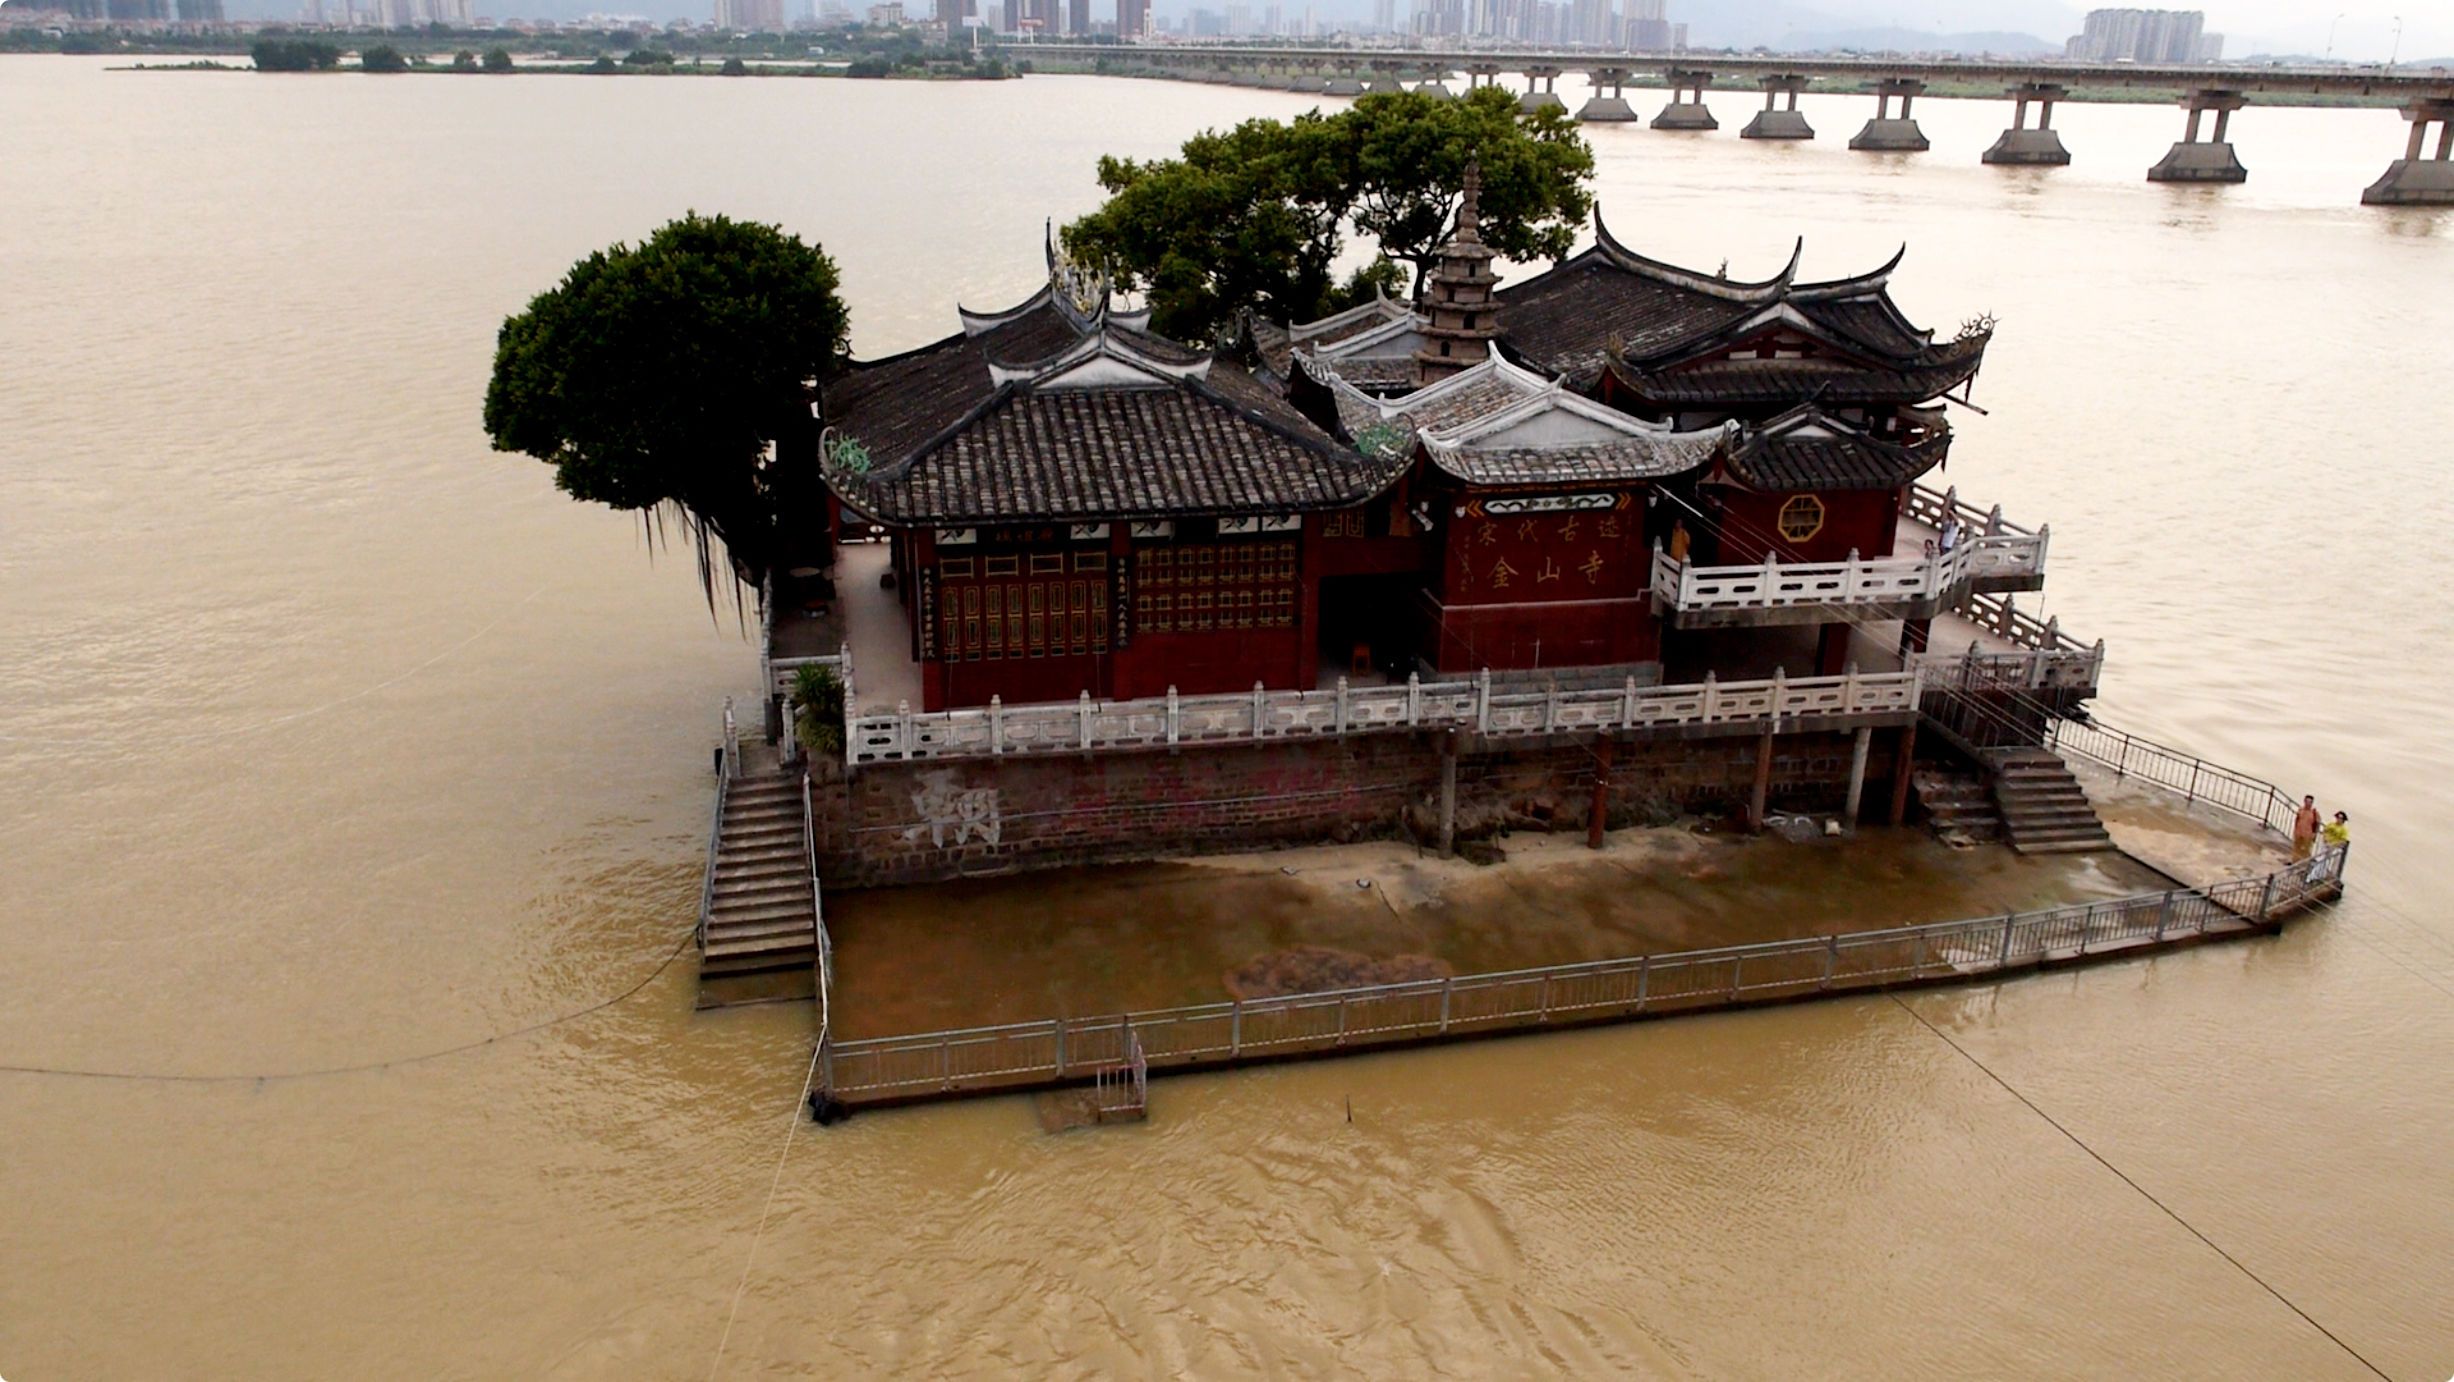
(1801, 518)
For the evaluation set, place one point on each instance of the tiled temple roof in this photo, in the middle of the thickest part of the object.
(1500, 424)
(1648, 320)
(1809, 449)
(1055, 411)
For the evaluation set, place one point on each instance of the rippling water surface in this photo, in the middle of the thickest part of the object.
(328, 736)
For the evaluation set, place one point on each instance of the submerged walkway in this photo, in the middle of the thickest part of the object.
(1059, 1051)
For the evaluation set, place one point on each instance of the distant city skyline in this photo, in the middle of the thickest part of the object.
(2347, 30)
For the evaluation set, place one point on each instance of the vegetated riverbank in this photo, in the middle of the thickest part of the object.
(851, 52)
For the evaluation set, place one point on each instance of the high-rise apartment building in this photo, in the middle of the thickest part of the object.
(1584, 23)
(2159, 36)
(739, 16)
(1132, 19)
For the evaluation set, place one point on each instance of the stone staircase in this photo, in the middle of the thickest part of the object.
(2042, 807)
(1958, 805)
(762, 909)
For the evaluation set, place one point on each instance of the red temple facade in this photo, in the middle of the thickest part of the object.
(1522, 479)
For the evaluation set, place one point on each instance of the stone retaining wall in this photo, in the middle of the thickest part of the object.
(927, 822)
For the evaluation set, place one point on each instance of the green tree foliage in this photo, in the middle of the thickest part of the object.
(294, 55)
(1257, 216)
(868, 67)
(818, 713)
(670, 374)
(603, 66)
(464, 61)
(733, 67)
(647, 57)
(383, 57)
(1249, 216)
(498, 60)
(1409, 154)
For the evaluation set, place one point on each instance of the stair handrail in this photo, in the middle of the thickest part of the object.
(2193, 778)
(2131, 755)
(730, 765)
(715, 826)
(819, 940)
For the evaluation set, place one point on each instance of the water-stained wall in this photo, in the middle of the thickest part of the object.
(931, 821)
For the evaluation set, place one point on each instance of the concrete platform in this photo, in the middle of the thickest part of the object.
(2413, 182)
(2021, 148)
(1533, 101)
(1343, 86)
(2205, 161)
(1778, 124)
(1607, 108)
(1891, 136)
(1437, 90)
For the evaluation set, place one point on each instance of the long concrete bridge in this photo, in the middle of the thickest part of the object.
(2423, 176)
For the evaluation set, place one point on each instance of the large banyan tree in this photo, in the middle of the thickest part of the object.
(675, 378)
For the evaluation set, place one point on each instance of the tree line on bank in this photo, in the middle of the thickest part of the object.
(676, 377)
(316, 55)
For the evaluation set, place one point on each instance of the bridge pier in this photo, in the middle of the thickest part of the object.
(1687, 110)
(1778, 121)
(1307, 78)
(2413, 180)
(1611, 107)
(1482, 74)
(1346, 83)
(1384, 78)
(1539, 93)
(1887, 133)
(2213, 160)
(2022, 145)
(1430, 81)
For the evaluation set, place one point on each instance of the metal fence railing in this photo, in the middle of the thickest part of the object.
(1019, 1055)
(728, 765)
(2194, 778)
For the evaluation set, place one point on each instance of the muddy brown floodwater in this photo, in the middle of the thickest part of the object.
(330, 739)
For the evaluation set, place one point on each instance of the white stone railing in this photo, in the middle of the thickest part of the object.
(780, 671)
(2041, 655)
(1856, 581)
(1927, 505)
(1259, 716)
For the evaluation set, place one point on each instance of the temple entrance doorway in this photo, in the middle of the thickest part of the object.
(1367, 627)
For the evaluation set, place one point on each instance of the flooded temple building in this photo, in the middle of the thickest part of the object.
(1618, 545)
(1617, 538)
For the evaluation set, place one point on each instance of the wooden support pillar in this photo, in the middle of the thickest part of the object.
(1913, 635)
(1599, 818)
(1448, 795)
(1763, 782)
(1832, 649)
(1862, 742)
(1901, 768)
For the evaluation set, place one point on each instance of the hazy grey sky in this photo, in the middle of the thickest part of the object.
(2366, 31)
